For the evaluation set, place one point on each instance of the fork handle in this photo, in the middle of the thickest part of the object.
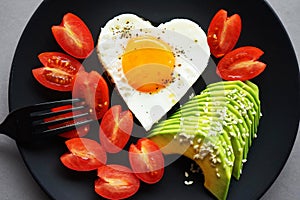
(8, 130)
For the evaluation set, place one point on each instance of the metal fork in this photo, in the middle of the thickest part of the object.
(30, 123)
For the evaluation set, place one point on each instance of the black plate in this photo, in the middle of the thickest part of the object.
(279, 93)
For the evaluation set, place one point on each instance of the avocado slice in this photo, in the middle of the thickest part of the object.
(242, 89)
(235, 115)
(212, 113)
(215, 129)
(245, 95)
(208, 152)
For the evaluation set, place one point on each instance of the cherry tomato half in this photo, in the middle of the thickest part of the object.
(241, 64)
(59, 71)
(94, 90)
(116, 182)
(78, 132)
(223, 33)
(73, 36)
(85, 155)
(146, 160)
(115, 129)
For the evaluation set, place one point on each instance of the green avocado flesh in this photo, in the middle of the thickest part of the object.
(215, 129)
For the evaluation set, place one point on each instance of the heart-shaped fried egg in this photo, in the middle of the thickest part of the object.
(152, 67)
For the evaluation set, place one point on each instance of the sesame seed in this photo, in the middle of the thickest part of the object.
(191, 96)
(186, 174)
(229, 153)
(218, 175)
(196, 157)
(205, 121)
(232, 134)
(188, 182)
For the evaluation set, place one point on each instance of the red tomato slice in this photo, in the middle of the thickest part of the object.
(147, 161)
(59, 71)
(73, 36)
(94, 90)
(241, 64)
(85, 155)
(79, 132)
(77, 163)
(223, 33)
(116, 182)
(115, 129)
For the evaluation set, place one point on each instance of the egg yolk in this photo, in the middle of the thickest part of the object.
(148, 64)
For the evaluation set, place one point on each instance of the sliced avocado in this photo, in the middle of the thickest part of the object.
(203, 106)
(246, 89)
(236, 134)
(239, 99)
(204, 131)
(244, 97)
(240, 92)
(215, 129)
(209, 155)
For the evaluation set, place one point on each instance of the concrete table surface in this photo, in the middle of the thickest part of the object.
(15, 180)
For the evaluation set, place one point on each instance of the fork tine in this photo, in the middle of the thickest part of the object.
(39, 124)
(53, 104)
(44, 115)
(61, 129)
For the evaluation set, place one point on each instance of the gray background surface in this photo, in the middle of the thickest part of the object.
(15, 180)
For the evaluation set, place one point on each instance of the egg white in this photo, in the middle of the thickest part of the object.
(188, 43)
